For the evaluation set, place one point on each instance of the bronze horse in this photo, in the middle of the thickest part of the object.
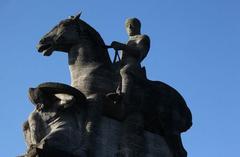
(92, 72)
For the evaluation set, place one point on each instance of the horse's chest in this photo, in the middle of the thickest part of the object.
(81, 76)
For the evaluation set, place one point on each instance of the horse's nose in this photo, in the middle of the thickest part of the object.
(43, 40)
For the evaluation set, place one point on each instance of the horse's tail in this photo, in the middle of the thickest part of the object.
(178, 114)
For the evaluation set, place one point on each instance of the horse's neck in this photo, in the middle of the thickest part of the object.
(85, 62)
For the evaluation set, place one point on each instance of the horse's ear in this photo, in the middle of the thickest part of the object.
(77, 17)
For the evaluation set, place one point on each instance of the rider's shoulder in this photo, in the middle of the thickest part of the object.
(144, 37)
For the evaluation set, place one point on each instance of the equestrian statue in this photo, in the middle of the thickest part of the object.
(66, 118)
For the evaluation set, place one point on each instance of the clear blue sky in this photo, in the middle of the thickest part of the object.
(195, 47)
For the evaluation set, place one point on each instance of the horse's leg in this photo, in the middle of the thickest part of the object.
(132, 140)
(93, 120)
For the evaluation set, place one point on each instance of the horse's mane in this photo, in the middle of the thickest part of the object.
(96, 37)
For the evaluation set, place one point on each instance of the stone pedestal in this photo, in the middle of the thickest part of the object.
(108, 140)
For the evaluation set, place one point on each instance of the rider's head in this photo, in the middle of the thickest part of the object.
(133, 26)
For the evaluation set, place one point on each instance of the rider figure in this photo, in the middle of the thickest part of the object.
(132, 54)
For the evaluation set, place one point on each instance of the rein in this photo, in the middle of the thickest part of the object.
(116, 56)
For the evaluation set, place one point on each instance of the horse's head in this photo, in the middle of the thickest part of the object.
(62, 37)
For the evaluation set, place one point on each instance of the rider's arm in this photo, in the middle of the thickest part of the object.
(34, 120)
(141, 48)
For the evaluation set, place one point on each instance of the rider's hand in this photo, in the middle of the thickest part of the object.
(117, 45)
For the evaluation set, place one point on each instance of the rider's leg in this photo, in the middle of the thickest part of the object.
(132, 141)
